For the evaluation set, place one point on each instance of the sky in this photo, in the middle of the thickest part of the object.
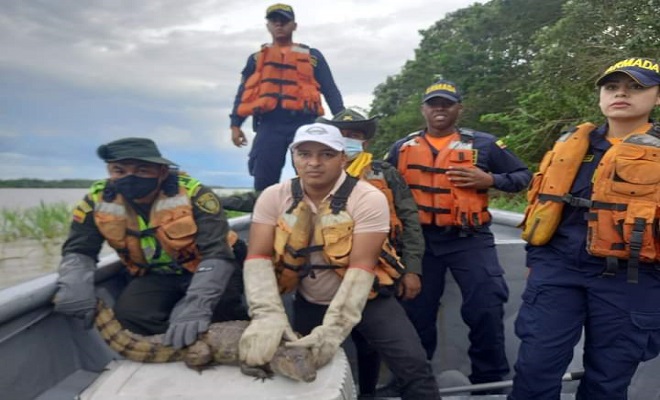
(76, 74)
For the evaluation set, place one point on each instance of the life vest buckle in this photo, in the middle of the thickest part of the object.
(576, 201)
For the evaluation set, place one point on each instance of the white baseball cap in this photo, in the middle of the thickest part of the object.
(320, 133)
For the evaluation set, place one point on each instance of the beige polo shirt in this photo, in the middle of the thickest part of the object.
(367, 206)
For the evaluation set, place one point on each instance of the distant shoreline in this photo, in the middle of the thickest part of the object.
(28, 183)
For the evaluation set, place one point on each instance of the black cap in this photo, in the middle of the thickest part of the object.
(132, 148)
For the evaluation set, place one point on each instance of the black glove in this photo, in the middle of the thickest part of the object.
(196, 308)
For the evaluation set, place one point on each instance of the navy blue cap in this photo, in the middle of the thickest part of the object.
(644, 71)
(444, 89)
(284, 10)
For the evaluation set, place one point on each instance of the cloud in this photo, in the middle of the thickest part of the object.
(77, 74)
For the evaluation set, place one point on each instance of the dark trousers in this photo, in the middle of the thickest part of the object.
(386, 328)
(621, 324)
(144, 306)
(484, 291)
(269, 149)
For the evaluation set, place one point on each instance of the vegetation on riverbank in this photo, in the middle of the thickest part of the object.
(43, 223)
(48, 222)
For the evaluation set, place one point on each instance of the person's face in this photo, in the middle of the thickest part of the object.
(440, 113)
(352, 134)
(318, 165)
(141, 169)
(280, 27)
(621, 97)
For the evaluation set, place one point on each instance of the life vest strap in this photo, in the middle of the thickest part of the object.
(279, 65)
(339, 199)
(582, 202)
(426, 168)
(304, 251)
(278, 96)
(149, 232)
(297, 193)
(434, 210)
(279, 81)
(306, 270)
(429, 189)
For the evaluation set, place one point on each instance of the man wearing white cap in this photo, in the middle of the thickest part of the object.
(321, 235)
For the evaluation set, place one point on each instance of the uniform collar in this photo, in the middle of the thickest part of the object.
(597, 137)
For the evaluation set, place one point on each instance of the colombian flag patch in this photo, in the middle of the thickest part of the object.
(79, 215)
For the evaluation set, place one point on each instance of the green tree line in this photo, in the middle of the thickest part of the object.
(40, 183)
(526, 67)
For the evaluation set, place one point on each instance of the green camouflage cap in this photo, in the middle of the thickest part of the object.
(352, 120)
(132, 148)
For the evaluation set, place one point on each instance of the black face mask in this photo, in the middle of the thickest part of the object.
(134, 187)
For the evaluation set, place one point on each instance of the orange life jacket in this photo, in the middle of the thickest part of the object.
(438, 200)
(282, 78)
(373, 173)
(164, 244)
(551, 184)
(624, 219)
(333, 231)
(624, 207)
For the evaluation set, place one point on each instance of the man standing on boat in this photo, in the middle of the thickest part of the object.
(449, 171)
(171, 234)
(281, 87)
(405, 231)
(321, 235)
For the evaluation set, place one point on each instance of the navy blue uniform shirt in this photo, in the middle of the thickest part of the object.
(322, 75)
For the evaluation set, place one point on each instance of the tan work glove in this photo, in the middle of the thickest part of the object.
(344, 312)
(269, 323)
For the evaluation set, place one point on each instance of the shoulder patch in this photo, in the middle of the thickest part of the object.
(500, 143)
(84, 206)
(80, 211)
(79, 216)
(208, 203)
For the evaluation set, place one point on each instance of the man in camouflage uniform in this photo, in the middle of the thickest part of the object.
(171, 234)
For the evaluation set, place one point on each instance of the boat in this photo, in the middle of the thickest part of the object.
(46, 356)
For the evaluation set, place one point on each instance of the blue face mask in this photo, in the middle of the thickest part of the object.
(353, 147)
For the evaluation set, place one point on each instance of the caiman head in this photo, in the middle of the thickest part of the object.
(296, 363)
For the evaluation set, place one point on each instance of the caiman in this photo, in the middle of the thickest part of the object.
(219, 345)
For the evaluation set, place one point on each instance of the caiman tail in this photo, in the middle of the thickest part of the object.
(148, 349)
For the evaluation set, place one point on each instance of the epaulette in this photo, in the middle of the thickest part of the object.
(467, 135)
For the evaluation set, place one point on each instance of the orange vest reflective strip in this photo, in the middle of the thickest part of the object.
(438, 200)
(282, 78)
